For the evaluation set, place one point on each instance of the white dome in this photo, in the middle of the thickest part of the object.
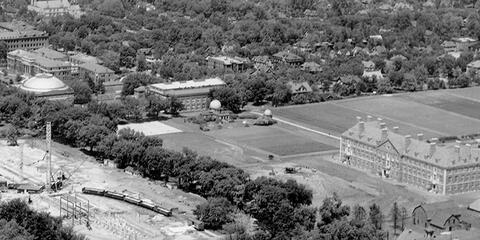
(43, 82)
(215, 104)
(267, 112)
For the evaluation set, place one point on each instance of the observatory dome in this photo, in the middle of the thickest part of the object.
(42, 83)
(215, 104)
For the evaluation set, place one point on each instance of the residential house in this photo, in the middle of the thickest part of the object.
(287, 57)
(441, 216)
(224, 63)
(303, 46)
(299, 87)
(262, 63)
(473, 68)
(449, 46)
(53, 8)
(311, 67)
(368, 66)
(464, 43)
(372, 74)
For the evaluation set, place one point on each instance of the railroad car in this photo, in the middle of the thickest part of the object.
(147, 205)
(132, 200)
(94, 191)
(115, 195)
(163, 211)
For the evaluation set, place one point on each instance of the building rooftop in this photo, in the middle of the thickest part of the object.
(474, 64)
(210, 82)
(288, 56)
(52, 4)
(299, 87)
(376, 134)
(96, 68)
(39, 59)
(18, 29)
(80, 57)
(228, 60)
(50, 53)
(464, 39)
(370, 74)
(43, 83)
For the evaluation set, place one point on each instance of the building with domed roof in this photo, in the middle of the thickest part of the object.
(44, 85)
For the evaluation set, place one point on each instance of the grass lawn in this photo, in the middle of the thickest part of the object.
(272, 139)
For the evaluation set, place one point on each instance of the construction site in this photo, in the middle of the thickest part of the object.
(51, 176)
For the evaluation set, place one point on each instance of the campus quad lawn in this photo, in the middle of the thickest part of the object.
(415, 114)
(334, 118)
(448, 101)
(272, 139)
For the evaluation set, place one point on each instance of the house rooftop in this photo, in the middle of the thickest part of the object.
(228, 60)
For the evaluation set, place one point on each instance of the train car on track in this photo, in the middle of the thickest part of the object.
(115, 195)
(163, 211)
(132, 200)
(94, 191)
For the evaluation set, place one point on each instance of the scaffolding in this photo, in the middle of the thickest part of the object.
(75, 209)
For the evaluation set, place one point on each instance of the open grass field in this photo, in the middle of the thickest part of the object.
(273, 140)
(151, 128)
(433, 113)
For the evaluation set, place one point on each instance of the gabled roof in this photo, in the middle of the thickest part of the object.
(287, 56)
(443, 156)
(368, 64)
(349, 79)
(474, 64)
(370, 74)
(301, 87)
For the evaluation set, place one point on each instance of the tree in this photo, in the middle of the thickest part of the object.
(112, 8)
(229, 98)
(82, 92)
(395, 213)
(141, 63)
(403, 217)
(214, 213)
(384, 86)
(12, 231)
(376, 216)
(155, 105)
(91, 135)
(174, 105)
(281, 95)
(332, 210)
(11, 133)
(3, 50)
(359, 215)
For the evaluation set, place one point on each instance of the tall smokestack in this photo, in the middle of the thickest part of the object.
(361, 127)
(395, 129)
(420, 136)
(433, 147)
(469, 151)
(408, 141)
(384, 134)
(457, 151)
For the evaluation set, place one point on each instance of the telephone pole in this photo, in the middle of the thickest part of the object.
(49, 155)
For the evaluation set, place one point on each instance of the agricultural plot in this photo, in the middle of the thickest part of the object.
(274, 140)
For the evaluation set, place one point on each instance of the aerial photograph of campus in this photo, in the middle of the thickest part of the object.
(240, 119)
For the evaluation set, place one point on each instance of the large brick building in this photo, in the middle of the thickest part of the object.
(32, 63)
(193, 94)
(223, 63)
(19, 35)
(441, 168)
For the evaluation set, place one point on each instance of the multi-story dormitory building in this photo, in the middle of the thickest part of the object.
(441, 168)
(19, 35)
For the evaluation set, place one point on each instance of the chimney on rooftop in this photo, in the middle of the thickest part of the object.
(395, 129)
(359, 119)
(384, 134)
(369, 118)
(361, 127)
(408, 140)
(420, 136)
(457, 151)
(433, 147)
(379, 119)
(469, 149)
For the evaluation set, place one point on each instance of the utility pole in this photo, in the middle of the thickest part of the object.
(49, 155)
